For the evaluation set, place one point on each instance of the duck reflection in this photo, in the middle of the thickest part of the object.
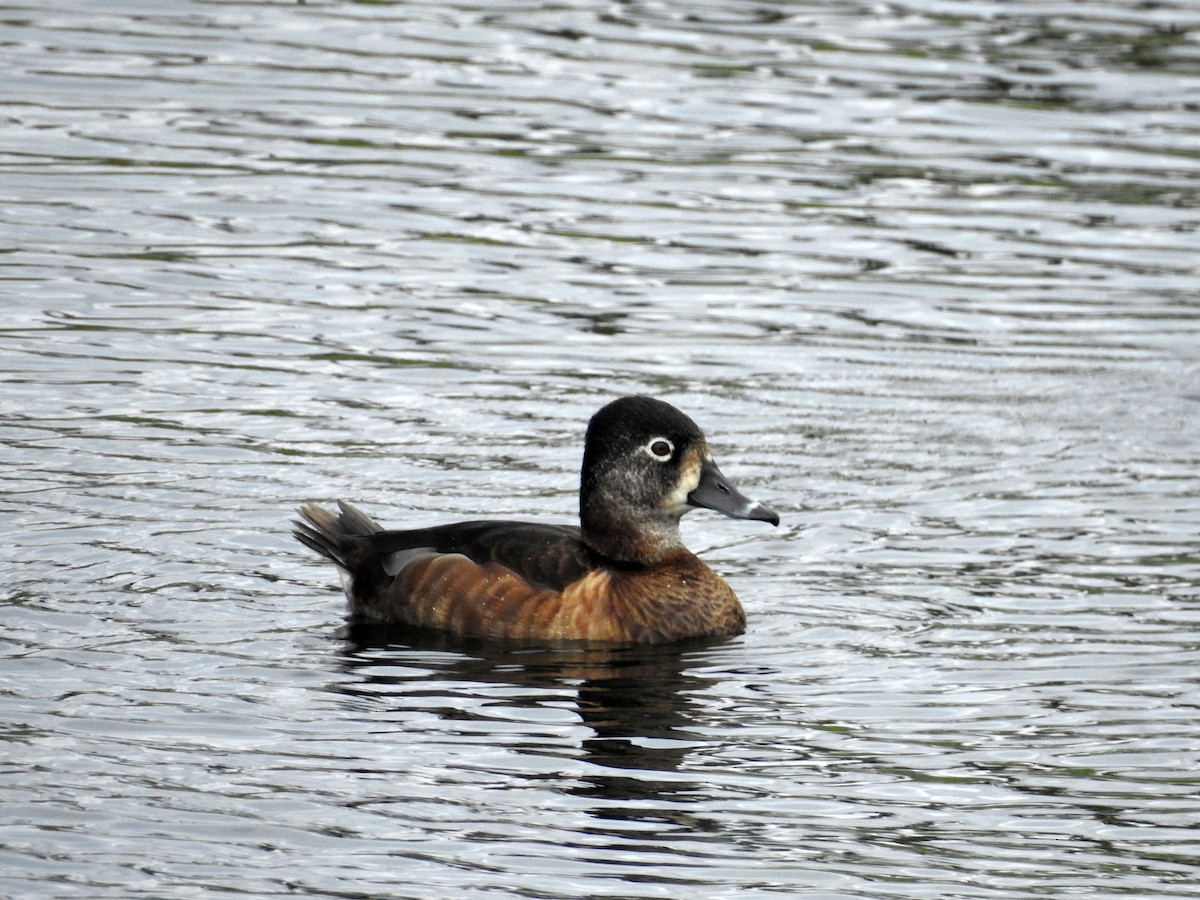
(640, 705)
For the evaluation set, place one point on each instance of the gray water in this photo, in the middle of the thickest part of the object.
(926, 273)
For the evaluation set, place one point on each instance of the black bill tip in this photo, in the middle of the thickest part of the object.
(715, 492)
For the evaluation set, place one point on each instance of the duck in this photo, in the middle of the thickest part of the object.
(621, 576)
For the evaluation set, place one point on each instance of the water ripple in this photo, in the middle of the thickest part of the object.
(927, 276)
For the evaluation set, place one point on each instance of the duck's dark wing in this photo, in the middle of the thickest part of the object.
(514, 580)
(495, 579)
(547, 556)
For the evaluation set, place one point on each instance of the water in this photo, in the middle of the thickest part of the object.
(926, 274)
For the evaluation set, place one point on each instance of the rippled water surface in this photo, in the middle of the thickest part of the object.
(927, 273)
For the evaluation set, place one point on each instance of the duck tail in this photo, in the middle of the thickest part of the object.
(336, 537)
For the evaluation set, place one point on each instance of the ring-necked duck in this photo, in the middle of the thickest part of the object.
(622, 575)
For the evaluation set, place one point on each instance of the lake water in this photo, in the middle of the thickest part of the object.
(926, 273)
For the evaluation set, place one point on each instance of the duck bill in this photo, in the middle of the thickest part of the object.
(715, 492)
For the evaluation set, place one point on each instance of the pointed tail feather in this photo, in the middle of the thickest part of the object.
(333, 536)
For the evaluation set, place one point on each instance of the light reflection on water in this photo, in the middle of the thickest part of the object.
(927, 276)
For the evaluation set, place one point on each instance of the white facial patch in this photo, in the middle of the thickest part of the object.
(689, 480)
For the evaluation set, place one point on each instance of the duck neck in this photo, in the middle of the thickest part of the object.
(627, 538)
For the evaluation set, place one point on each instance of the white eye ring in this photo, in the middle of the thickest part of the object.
(659, 449)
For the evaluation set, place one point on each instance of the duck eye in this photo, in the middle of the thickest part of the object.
(661, 449)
